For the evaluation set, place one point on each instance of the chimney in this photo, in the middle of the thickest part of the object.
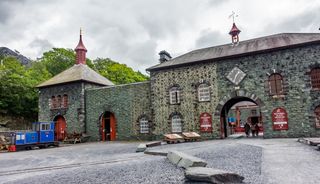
(164, 56)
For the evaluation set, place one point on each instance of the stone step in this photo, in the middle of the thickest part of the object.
(154, 143)
(141, 148)
(185, 161)
(155, 152)
(310, 141)
(204, 174)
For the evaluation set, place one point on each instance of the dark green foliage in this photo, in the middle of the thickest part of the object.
(18, 92)
(59, 59)
(116, 72)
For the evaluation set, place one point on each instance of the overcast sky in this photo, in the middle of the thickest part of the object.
(134, 31)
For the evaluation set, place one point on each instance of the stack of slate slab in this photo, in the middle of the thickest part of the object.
(196, 170)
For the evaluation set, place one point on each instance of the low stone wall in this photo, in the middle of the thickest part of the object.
(129, 103)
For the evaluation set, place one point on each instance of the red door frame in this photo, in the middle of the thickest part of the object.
(60, 128)
(112, 127)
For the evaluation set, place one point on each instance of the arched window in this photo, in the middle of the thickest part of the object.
(53, 102)
(203, 93)
(65, 101)
(276, 84)
(315, 78)
(317, 116)
(144, 125)
(176, 124)
(58, 101)
(174, 95)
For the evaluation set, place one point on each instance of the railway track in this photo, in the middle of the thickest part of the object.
(57, 167)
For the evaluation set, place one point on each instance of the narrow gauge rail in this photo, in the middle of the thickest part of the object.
(57, 167)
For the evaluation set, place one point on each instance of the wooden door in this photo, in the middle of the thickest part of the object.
(60, 129)
(108, 127)
(112, 128)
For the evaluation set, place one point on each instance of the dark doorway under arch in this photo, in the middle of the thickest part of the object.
(60, 128)
(226, 129)
(108, 127)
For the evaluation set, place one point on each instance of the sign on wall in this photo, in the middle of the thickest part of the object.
(280, 119)
(205, 122)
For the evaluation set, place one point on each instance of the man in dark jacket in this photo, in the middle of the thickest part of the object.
(247, 128)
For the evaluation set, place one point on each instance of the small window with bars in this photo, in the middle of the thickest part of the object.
(203, 93)
(315, 78)
(275, 84)
(176, 124)
(144, 125)
(174, 95)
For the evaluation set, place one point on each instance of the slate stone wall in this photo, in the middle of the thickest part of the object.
(188, 79)
(74, 114)
(299, 100)
(127, 102)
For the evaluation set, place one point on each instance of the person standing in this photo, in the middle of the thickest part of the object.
(253, 129)
(247, 129)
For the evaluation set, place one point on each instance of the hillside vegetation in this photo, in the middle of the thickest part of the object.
(18, 95)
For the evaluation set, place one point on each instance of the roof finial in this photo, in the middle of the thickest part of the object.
(234, 32)
(80, 51)
(233, 15)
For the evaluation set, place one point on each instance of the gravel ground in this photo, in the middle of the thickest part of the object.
(258, 160)
(148, 170)
(242, 159)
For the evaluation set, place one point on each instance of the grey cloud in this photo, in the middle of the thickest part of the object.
(143, 53)
(307, 21)
(210, 38)
(7, 9)
(41, 45)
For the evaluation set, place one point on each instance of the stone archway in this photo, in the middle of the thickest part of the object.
(108, 126)
(228, 101)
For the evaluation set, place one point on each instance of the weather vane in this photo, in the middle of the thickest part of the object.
(80, 31)
(233, 15)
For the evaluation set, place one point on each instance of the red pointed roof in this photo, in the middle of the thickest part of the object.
(80, 45)
(234, 30)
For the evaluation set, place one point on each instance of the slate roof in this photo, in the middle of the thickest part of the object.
(79, 72)
(273, 42)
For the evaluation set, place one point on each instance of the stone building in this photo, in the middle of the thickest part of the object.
(278, 74)
(62, 98)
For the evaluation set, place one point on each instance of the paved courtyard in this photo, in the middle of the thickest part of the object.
(258, 160)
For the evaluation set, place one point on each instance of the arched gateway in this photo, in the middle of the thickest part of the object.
(231, 117)
(108, 126)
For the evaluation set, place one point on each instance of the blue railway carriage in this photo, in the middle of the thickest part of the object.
(41, 135)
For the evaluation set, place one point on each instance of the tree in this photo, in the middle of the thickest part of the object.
(60, 59)
(116, 72)
(15, 94)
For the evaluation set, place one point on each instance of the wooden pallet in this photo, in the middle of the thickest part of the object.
(191, 136)
(173, 138)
